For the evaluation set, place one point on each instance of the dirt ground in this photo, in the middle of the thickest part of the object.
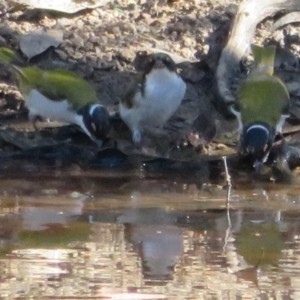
(100, 44)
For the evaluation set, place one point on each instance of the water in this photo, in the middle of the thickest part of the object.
(114, 235)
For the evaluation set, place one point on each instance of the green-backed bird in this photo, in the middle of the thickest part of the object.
(59, 95)
(154, 97)
(263, 107)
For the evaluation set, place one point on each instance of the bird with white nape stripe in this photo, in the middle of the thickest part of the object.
(262, 109)
(59, 95)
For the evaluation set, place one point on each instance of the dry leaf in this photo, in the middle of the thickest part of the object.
(37, 42)
(66, 6)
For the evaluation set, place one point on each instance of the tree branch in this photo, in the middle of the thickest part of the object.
(250, 13)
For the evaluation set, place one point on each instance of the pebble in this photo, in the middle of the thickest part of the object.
(62, 54)
(64, 22)
(231, 10)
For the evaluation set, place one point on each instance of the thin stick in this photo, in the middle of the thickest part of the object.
(229, 185)
(228, 177)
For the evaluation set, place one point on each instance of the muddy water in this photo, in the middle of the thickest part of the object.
(75, 235)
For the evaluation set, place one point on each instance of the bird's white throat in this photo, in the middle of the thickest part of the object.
(162, 82)
(163, 93)
(39, 105)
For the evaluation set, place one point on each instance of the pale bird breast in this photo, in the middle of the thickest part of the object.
(161, 83)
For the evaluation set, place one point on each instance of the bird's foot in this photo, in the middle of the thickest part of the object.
(34, 120)
(136, 136)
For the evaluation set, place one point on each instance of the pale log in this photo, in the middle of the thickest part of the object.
(250, 13)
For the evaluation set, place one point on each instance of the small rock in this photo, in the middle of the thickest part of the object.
(62, 54)
(116, 30)
(127, 53)
(63, 22)
(231, 10)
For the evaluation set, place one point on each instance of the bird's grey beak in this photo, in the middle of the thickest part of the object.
(257, 166)
(99, 143)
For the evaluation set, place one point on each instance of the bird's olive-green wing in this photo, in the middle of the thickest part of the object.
(8, 56)
(28, 78)
(54, 84)
(263, 98)
(58, 85)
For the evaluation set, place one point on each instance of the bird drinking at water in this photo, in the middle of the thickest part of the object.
(59, 95)
(263, 107)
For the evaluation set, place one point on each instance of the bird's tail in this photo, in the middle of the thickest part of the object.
(8, 56)
(264, 58)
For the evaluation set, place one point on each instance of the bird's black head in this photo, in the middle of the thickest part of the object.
(159, 61)
(256, 142)
(96, 120)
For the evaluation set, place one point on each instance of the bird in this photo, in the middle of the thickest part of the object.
(262, 109)
(155, 95)
(59, 95)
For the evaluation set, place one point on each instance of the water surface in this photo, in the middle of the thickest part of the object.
(118, 235)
